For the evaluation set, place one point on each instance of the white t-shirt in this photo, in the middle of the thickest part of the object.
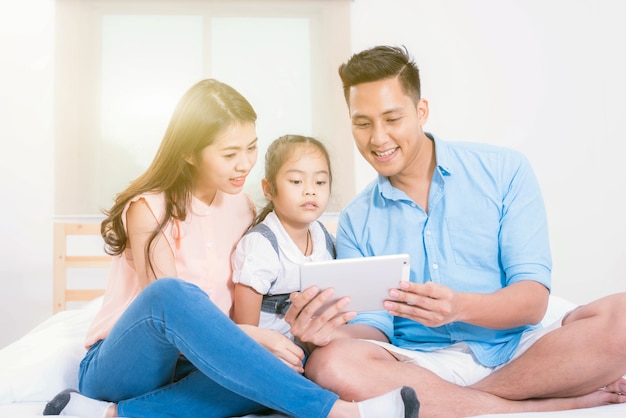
(256, 264)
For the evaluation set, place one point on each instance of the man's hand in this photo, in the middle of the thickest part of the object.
(311, 327)
(430, 304)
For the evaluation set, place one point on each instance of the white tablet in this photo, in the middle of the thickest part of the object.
(366, 280)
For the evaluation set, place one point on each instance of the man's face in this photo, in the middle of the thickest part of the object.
(386, 125)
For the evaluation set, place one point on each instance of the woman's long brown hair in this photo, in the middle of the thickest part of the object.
(205, 110)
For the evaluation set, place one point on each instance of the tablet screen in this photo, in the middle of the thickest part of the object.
(366, 280)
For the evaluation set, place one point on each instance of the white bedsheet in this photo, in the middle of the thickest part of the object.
(45, 361)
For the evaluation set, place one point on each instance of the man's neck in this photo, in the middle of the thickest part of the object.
(416, 178)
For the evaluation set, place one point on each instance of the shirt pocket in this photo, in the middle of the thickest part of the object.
(474, 241)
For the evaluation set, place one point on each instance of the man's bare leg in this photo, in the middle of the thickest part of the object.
(588, 352)
(357, 370)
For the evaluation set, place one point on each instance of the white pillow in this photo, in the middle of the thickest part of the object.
(557, 307)
(45, 361)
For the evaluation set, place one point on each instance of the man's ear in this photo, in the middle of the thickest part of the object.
(268, 191)
(422, 111)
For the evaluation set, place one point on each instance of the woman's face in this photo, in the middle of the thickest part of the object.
(225, 164)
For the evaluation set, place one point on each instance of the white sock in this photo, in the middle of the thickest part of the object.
(70, 402)
(399, 403)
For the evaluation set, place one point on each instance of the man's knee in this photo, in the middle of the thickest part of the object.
(609, 317)
(326, 365)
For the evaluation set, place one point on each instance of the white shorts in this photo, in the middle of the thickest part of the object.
(456, 363)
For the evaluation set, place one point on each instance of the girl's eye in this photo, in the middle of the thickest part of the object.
(295, 182)
(394, 120)
(252, 147)
(362, 124)
(321, 182)
(229, 156)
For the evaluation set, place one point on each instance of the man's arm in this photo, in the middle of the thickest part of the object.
(434, 305)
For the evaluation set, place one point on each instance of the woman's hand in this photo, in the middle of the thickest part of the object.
(278, 344)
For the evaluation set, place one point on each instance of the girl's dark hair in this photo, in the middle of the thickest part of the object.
(379, 63)
(205, 110)
(278, 153)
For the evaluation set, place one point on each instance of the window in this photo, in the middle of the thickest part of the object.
(122, 66)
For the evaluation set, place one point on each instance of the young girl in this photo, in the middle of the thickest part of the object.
(167, 347)
(285, 234)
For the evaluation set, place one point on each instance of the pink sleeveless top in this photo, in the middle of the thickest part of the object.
(202, 246)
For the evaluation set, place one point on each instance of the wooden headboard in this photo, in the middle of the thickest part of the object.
(64, 260)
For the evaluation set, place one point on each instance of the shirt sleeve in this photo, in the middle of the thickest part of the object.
(524, 242)
(255, 263)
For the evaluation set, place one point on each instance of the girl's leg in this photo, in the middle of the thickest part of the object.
(170, 317)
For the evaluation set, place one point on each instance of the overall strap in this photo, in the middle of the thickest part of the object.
(267, 233)
(330, 245)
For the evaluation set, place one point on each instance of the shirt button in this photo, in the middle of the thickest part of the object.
(435, 266)
(428, 233)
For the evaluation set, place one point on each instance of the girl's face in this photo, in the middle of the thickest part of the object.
(302, 187)
(225, 164)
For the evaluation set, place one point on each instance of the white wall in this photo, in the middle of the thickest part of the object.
(542, 76)
(26, 179)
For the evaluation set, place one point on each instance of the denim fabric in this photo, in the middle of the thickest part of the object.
(173, 353)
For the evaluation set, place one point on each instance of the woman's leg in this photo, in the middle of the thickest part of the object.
(171, 317)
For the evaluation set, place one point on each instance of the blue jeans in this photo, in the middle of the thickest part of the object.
(173, 353)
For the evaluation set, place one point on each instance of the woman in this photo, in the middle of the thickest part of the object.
(167, 347)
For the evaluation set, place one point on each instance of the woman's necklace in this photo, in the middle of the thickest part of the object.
(308, 239)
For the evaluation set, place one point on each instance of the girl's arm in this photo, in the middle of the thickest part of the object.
(246, 305)
(246, 313)
(140, 224)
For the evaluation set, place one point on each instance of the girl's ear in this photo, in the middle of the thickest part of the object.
(267, 189)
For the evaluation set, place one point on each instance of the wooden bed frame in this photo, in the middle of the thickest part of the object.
(65, 227)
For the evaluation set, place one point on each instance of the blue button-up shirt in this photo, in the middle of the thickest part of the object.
(485, 229)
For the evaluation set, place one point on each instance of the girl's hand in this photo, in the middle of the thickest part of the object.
(311, 326)
(278, 344)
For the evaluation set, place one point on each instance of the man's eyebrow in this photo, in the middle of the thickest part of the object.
(385, 113)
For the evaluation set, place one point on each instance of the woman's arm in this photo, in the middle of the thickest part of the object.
(140, 224)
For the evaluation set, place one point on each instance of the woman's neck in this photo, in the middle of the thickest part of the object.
(205, 196)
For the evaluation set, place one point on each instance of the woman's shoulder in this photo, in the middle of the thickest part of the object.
(154, 200)
(238, 204)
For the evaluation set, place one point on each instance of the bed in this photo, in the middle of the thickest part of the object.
(45, 361)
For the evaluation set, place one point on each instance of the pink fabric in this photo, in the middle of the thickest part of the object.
(202, 246)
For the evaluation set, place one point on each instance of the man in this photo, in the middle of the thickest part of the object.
(472, 218)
